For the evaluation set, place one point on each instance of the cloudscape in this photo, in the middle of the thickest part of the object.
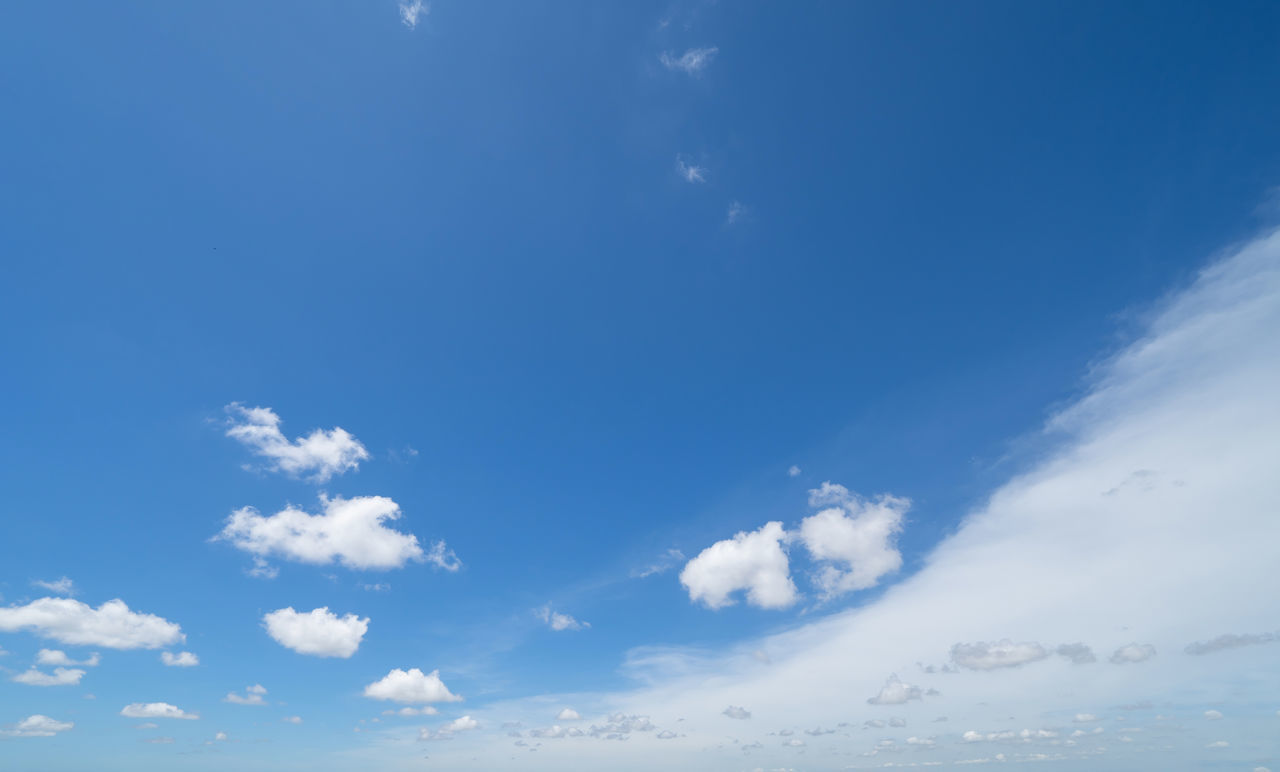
(410, 385)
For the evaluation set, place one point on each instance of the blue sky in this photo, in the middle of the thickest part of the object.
(583, 284)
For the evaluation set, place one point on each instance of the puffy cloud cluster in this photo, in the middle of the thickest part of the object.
(411, 686)
(990, 656)
(111, 625)
(896, 692)
(1133, 652)
(37, 726)
(852, 539)
(61, 676)
(181, 659)
(253, 695)
(156, 710)
(352, 532)
(446, 732)
(55, 657)
(320, 455)
(318, 632)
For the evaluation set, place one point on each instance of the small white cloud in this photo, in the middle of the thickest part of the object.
(253, 695)
(147, 725)
(352, 532)
(1133, 652)
(733, 711)
(896, 692)
(557, 621)
(1213, 715)
(425, 710)
(690, 172)
(442, 557)
(1078, 653)
(692, 61)
(1219, 744)
(111, 625)
(318, 632)
(856, 534)
(156, 710)
(990, 656)
(321, 454)
(62, 586)
(754, 562)
(410, 12)
(38, 726)
(61, 676)
(794, 471)
(55, 657)
(181, 659)
(292, 719)
(568, 714)
(1084, 718)
(411, 686)
(220, 737)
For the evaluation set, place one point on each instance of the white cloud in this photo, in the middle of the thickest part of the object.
(989, 656)
(1084, 718)
(794, 471)
(666, 561)
(896, 692)
(568, 714)
(754, 562)
(156, 710)
(318, 632)
(1229, 641)
(737, 211)
(1213, 715)
(557, 621)
(1133, 652)
(38, 726)
(856, 534)
(733, 711)
(410, 12)
(62, 586)
(1078, 653)
(351, 532)
(1219, 744)
(442, 557)
(690, 172)
(292, 719)
(61, 677)
(446, 732)
(411, 686)
(181, 659)
(220, 737)
(253, 695)
(55, 657)
(147, 725)
(321, 454)
(693, 61)
(111, 625)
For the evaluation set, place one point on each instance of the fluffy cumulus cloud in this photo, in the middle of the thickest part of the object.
(318, 632)
(56, 657)
(1133, 652)
(855, 537)
(557, 621)
(156, 710)
(37, 726)
(733, 711)
(253, 695)
(74, 623)
(181, 659)
(754, 562)
(693, 61)
(896, 692)
(319, 456)
(411, 686)
(352, 532)
(989, 656)
(60, 676)
(568, 714)
(446, 732)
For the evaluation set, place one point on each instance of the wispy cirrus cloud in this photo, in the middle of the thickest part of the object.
(692, 62)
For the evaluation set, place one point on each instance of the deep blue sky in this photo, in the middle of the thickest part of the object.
(471, 238)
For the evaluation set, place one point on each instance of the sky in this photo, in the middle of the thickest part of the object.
(694, 385)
